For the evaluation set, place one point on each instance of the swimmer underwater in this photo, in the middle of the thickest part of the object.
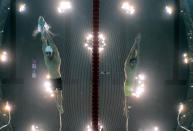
(52, 61)
(130, 70)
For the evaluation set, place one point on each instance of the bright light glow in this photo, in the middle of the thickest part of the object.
(185, 55)
(128, 8)
(140, 86)
(4, 53)
(89, 37)
(181, 107)
(186, 60)
(101, 37)
(89, 129)
(22, 8)
(169, 10)
(4, 56)
(7, 107)
(48, 88)
(101, 49)
(90, 48)
(48, 76)
(139, 82)
(89, 42)
(64, 6)
(139, 91)
(33, 128)
(156, 128)
(52, 95)
(85, 44)
(47, 85)
(141, 77)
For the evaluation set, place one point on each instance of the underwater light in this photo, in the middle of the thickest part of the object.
(7, 107)
(48, 88)
(185, 55)
(156, 128)
(128, 8)
(33, 128)
(89, 42)
(141, 77)
(101, 126)
(139, 89)
(47, 85)
(169, 10)
(89, 128)
(186, 58)
(138, 92)
(22, 8)
(48, 76)
(4, 56)
(52, 95)
(64, 6)
(181, 107)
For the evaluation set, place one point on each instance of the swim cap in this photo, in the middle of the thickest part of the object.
(48, 49)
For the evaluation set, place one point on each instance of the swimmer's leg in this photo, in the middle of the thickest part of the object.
(59, 99)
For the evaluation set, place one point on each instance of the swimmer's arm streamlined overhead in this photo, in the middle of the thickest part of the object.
(50, 51)
(130, 66)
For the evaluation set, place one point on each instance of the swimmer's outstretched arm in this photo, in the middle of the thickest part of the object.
(53, 65)
(127, 67)
(50, 42)
(133, 53)
(130, 70)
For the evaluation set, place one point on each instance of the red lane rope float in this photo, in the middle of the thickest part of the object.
(95, 65)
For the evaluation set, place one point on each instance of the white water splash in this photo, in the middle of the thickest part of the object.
(46, 29)
(35, 32)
